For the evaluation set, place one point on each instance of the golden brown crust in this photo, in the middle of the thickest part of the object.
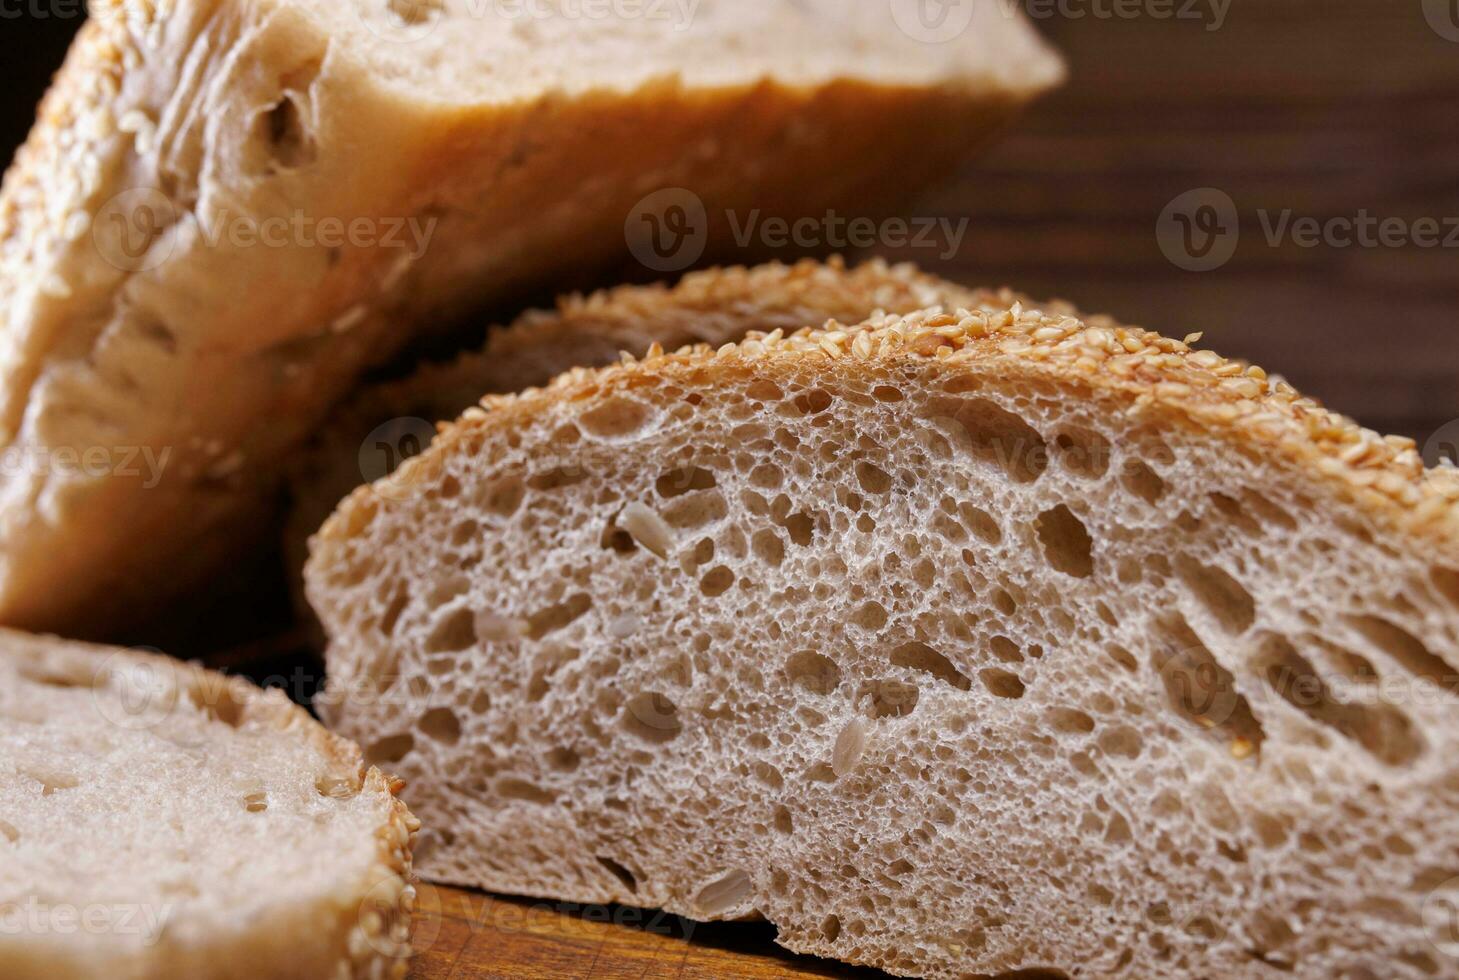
(1154, 375)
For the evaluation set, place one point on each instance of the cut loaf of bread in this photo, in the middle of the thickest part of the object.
(381, 425)
(229, 209)
(957, 643)
(157, 820)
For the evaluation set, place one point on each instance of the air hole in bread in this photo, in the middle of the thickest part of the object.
(1202, 691)
(441, 725)
(1382, 730)
(1235, 513)
(1006, 650)
(920, 656)
(9, 832)
(653, 718)
(813, 402)
(1224, 598)
(989, 434)
(1124, 658)
(563, 759)
(625, 877)
(391, 616)
(683, 480)
(556, 478)
(337, 786)
(1069, 721)
(873, 479)
(767, 774)
(512, 788)
(801, 528)
(1122, 741)
(783, 822)
(284, 137)
(1446, 580)
(616, 418)
(767, 546)
(216, 697)
(727, 892)
(1143, 482)
(888, 698)
(717, 582)
(559, 616)
(1083, 452)
(887, 393)
(389, 750)
(1066, 542)
(813, 672)
(1002, 683)
(1407, 650)
(870, 616)
(256, 802)
(412, 13)
(503, 496)
(456, 631)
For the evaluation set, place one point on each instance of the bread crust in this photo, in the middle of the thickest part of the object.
(363, 933)
(1157, 377)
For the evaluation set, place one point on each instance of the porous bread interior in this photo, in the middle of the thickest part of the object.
(219, 830)
(949, 667)
(471, 50)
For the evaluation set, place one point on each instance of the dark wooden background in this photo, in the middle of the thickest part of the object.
(1324, 107)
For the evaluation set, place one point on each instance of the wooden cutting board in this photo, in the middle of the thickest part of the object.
(467, 935)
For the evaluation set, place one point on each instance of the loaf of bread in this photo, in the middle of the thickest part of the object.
(229, 209)
(381, 425)
(157, 820)
(974, 640)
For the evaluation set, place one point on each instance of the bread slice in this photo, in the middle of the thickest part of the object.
(157, 820)
(381, 425)
(955, 643)
(229, 208)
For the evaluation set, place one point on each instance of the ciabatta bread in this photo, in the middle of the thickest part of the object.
(381, 425)
(157, 820)
(956, 643)
(228, 209)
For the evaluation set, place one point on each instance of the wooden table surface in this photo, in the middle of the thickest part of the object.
(461, 934)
